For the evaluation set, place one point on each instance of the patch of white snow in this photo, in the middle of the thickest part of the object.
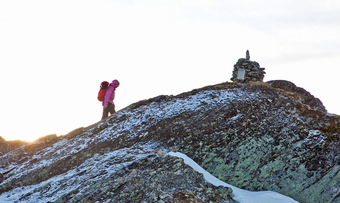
(243, 196)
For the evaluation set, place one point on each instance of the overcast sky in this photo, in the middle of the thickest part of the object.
(55, 53)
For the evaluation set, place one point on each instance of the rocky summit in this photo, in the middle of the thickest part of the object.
(255, 136)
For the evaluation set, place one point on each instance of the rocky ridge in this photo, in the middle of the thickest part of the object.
(256, 136)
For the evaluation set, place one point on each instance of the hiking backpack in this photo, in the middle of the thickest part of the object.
(102, 91)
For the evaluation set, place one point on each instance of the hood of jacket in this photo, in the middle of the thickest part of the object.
(115, 83)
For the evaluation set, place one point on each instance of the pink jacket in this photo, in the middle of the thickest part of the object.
(110, 93)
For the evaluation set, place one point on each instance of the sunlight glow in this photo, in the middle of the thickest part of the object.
(55, 54)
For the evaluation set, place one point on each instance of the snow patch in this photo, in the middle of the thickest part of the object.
(81, 177)
(243, 196)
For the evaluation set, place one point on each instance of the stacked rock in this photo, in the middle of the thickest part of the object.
(246, 70)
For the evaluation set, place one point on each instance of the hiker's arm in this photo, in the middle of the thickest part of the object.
(107, 96)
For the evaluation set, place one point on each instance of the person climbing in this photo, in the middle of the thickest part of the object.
(108, 105)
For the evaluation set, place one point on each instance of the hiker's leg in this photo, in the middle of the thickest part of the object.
(105, 113)
(111, 108)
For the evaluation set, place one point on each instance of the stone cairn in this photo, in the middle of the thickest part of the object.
(246, 70)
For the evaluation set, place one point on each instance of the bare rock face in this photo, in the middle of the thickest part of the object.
(256, 136)
(6, 146)
(305, 96)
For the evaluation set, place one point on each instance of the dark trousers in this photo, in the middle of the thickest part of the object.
(109, 109)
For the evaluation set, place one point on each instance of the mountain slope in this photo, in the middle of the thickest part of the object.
(260, 136)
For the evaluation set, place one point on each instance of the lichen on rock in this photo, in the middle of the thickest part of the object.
(256, 136)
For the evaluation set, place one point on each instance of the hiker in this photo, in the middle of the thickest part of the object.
(108, 105)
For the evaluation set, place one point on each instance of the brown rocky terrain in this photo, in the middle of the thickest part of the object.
(255, 136)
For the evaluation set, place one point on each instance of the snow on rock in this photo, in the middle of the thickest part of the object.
(242, 196)
(255, 137)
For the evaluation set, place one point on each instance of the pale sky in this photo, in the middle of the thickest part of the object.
(55, 53)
